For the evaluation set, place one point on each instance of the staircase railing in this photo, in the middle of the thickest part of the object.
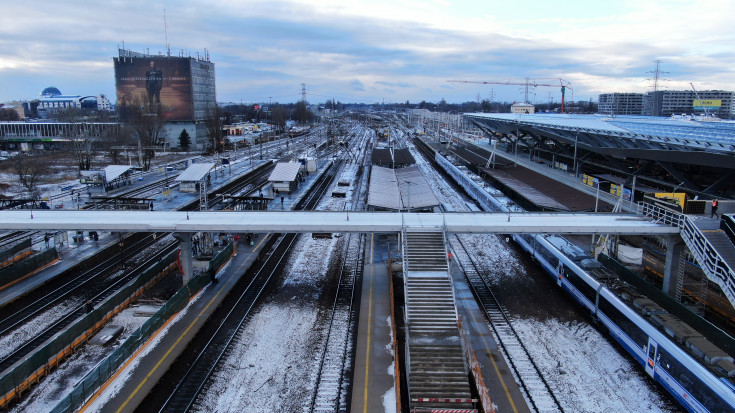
(708, 258)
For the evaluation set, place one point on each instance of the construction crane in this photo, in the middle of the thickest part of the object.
(563, 84)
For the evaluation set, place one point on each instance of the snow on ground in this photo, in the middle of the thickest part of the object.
(125, 374)
(29, 329)
(61, 381)
(271, 367)
(587, 373)
(585, 369)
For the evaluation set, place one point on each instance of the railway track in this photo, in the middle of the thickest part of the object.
(537, 390)
(76, 286)
(193, 382)
(332, 392)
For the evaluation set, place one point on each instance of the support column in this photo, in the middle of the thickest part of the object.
(674, 248)
(186, 256)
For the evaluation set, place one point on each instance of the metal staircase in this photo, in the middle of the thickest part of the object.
(435, 361)
(710, 246)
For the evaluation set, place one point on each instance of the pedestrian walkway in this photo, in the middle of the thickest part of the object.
(131, 384)
(504, 392)
(374, 387)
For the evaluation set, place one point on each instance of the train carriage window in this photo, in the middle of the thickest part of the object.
(691, 383)
(628, 327)
(582, 286)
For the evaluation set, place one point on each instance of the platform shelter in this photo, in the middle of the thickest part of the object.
(285, 176)
(190, 179)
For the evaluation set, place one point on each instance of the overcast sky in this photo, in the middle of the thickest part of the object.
(378, 50)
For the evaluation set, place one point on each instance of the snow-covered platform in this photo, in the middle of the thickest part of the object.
(323, 221)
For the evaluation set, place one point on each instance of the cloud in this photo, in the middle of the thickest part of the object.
(357, 85)
(380, 49)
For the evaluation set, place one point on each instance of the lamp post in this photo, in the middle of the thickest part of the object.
(408, 207)
(673, 195)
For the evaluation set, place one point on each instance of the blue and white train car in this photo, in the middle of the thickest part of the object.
(694, 386)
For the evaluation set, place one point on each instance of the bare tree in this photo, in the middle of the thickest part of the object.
(30, 169)
(278, 117)
(80, 137)
(214, 123)
(146, 124)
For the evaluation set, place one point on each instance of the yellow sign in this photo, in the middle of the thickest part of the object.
(679, 197)
(708, 103)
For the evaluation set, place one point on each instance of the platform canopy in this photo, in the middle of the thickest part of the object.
(285, 172)
(195, 172)
(400, 189)
(113, 172)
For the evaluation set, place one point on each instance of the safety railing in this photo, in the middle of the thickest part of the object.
(39, 364)
(706, 255)
(107, 367)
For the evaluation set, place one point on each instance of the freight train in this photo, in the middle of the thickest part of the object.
(696, 387)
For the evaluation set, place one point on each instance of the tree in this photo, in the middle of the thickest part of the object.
(214, 123)
(80, 137)
(147, 124)
(184, 140)
(9, 115)
(30, 169)
(278, 117)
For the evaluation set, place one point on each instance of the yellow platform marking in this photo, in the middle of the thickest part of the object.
(168, 352)
(369, 327)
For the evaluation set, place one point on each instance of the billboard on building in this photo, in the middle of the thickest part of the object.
(156, 81)
(706, 104)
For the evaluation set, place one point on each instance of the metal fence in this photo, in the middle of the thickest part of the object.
(15, 252)
(105, 369)
(28, 265)
(21, 378)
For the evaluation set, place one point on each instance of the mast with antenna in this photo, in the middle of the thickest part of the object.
(165, 33)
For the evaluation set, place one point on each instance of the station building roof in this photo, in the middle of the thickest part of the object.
(285, 172)
(195, 172)
(383, 191)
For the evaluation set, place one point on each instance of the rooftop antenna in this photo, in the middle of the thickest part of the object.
(165, 31)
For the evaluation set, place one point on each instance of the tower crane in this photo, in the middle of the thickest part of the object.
(563, 84)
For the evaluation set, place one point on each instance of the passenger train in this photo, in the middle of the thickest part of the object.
(693, 385)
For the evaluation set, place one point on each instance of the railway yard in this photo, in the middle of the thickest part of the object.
(324, 321)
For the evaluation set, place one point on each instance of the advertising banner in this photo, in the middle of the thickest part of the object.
(156, 81)
(706, 103)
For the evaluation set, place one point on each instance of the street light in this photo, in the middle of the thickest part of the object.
(408, 207)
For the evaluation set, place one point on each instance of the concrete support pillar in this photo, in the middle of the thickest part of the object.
(186, 256)
(674, 248)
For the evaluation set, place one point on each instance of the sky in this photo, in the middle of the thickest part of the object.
(376, 51)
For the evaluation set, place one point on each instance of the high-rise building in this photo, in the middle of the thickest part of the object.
(620, 104)
(677, 102)
(182, 88)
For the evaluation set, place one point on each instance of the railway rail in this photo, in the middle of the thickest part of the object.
(191, 385)
(18, 318)
(332, 392)
(529, 376)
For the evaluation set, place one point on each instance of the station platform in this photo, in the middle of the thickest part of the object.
(374, 382)
(130, 385)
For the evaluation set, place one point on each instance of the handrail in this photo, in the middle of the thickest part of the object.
(706, 255)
